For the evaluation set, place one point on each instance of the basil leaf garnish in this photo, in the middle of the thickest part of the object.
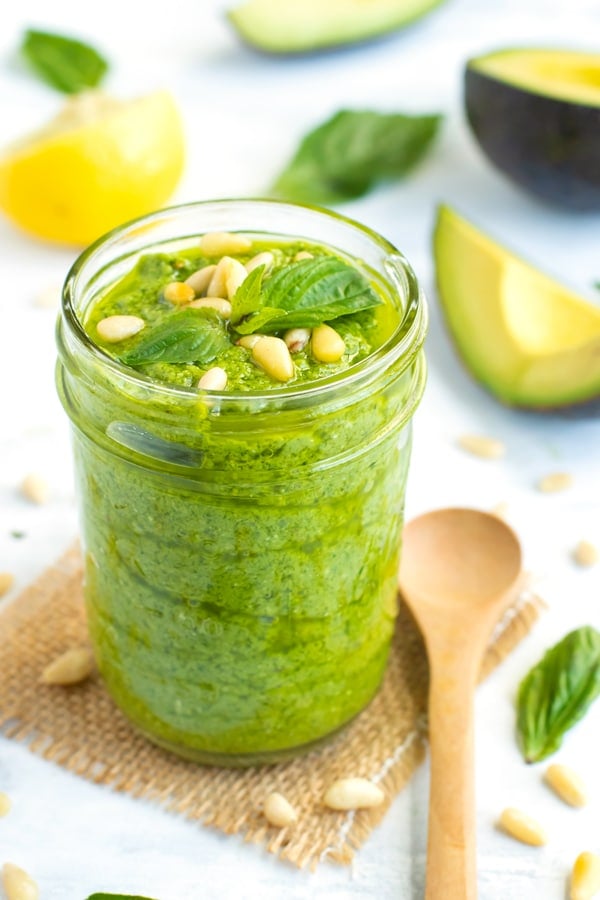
(248, 298)
(557, 693)
(62, 62)
(309, 292)
(189, 336)
(347, 154)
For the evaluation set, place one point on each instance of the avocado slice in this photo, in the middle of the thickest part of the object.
(299, 26)
(536, 115)
(530, 340)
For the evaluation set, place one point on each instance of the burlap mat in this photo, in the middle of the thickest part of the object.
(80, 728)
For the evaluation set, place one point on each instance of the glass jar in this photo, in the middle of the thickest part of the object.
(241, 549)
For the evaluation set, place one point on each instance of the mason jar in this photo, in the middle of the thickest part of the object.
(241, 549)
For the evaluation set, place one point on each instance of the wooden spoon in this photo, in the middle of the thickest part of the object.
(460, 569)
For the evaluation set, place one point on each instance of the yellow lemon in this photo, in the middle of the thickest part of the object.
(100, 162)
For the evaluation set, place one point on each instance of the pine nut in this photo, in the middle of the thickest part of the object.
(522, 828)
(586, 554)
(70, 668)
(5, 804)
(235, 276)
(213, 380)
(585, 877)
(479, 445)
(119, 328)
(567, 784)
(218, 243)
(557, 481)
(217, 286)
(18, 885)
(7, 579)
(249, 340)
(178, 293)
(35, 488)
(271, 354)
(353, 793)
(296, 339)
(326, 344)
(222, 306)
(303, 254)
(279, 811)
(265, 259)
(200, 280)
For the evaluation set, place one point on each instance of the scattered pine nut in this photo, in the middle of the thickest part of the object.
(479, 445)
(296, 339)
(35, 489)
(217, 286)
(522, 828)
(222, 306)
(557, 481)
(235, 275)
(567, 784)
(200, 280)
(353, 793)
(279, 811)
(218, 243)
(49, 297)
(265, 259)
(213, 380)
(178, 292)
(326, 344)
(303, 254)
(272, 355)
(586, 554)
(5, 804)
(585, 877)
(7, 579)
(500, 510)
(119, 328)
(71, 667)
(249, 340)
(18, 885)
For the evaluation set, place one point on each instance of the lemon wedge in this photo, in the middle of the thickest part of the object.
(98, 163)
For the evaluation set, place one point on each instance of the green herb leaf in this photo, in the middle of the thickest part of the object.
(189, 336)
(558, 692)
(248, 298)
(346, 155)
(307, 293)
(64, 63)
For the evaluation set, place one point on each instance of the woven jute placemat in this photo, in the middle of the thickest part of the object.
(81, 729)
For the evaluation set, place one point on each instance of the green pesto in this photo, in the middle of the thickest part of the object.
(240, 563)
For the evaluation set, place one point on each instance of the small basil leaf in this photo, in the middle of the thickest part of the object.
(557, 693)
(62, 62)
(189, 336)
(345, 156)
(262, 321)
(248, 297)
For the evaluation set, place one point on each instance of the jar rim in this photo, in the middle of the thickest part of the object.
(408, 334)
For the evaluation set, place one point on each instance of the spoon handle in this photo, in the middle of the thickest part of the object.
(451, 865)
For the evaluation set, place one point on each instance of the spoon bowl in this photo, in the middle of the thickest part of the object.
(460, 569)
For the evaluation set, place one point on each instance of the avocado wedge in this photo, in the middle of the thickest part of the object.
(536, 115)
(301, 26)
(532, 342)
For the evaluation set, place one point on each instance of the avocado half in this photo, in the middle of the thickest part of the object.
(532, 342)
(301, 26)
(536, 115)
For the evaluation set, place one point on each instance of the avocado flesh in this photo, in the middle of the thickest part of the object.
(298, 26)
(560, 74)
(529, 340)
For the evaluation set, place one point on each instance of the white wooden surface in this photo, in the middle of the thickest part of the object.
(244, 114)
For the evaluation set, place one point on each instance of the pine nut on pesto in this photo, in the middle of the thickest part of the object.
(241, 545)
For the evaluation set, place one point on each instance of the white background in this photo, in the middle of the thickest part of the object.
(244, 113)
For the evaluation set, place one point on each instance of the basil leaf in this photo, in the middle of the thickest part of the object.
(62, 62)
(347, 154)
(307, 293)
(189, 336)
(248, 298)
(557, 693)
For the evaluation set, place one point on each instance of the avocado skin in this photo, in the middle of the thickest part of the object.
(548, 146)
